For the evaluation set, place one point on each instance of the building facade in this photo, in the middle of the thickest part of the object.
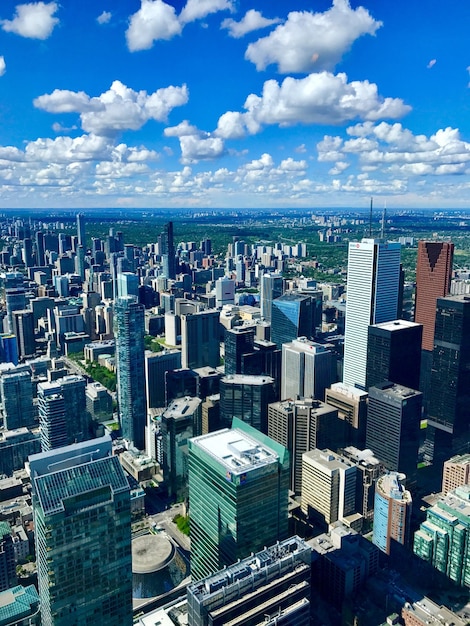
(392, 512)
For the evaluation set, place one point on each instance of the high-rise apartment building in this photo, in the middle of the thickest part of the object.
(392, 512)
(328, 486)
(456, 473)
(200, 339)
(82, 520)
(270, 587)
(351, 403)
(308, 368)
(393, 423)
(246, 398)
(449, 402)
(394, 353)
(433, 276)
(229, 471)
(271, 287)
(292, 316)
(301, 425)
(52, 421)
(443, 538)
(17, 399)
(371, 298)
(129, 331)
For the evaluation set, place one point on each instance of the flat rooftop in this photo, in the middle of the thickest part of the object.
(396, 325)
(236, 450)
(246, 379)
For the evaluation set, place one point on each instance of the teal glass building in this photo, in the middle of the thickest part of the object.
(292, 316)
(82, 518)
(238, 496)
(129, 331)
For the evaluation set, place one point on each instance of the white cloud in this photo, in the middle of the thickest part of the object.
(339, 168)
(3, 66)
(197, 9)
(253, 20)
(104, 18)
(154, 20)
(290, 165)
(431, 63)
(34, 20)
(196, 145)
(322, 98)
(312, 41)
(182, 129)
(59, 128)
(66, 149)
(120, 108)
(301, 149)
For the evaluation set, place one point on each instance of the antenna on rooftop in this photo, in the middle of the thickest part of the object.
(370, 217)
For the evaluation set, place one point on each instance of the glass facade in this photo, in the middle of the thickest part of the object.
(291, 317)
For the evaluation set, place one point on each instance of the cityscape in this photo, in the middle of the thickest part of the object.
(207, 434)
(234, 313)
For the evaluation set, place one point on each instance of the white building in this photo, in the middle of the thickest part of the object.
(308, 368)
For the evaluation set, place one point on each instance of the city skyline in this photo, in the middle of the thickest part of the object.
(225, 104)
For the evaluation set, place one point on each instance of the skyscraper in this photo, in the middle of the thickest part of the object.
(292, 316)
(392, 512)
(82, 519)
(229, 471)
(129, 331)
(81, 229)
(271, 288)
(17, 399)
(168, 252)
(246, 398)
(23, 327)
(393, 422)
(200, 339)
(394, 353)
(433, 277)
(351, 403)
(372, 297)
(127, 284)
(449, 402)
(308, 368)
(237, 341)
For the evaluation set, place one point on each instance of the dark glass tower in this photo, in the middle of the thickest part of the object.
(168, 252)
(238, 342)
(130, 350)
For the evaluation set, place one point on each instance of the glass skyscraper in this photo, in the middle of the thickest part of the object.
(238, 494)
(82, 519)
(130, 357)
(292, 316)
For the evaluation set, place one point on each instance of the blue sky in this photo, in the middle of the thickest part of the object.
(234, 103)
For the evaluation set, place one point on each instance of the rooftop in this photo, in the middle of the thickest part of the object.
(396, 325)
(328, 459)
(348, 390)
(247, 379)
(182, 408)
(390, 485)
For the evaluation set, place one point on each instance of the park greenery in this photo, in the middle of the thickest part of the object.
(182, 522)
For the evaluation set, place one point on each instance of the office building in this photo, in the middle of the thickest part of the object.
(328, 487)
(351, 403)
(425, 612)
(16, 391)
(369, 470)
(72, 388)
(130, 350)
(393, 423)
(180, 383)
(15, 300)
(127, 284)
(52, 416)
(269, 587)
(15, 447)
(81, 230)
(433, 277)
(392, 512)
(20, 606)
(394, 353)
(7, 557)
(156, 366)
(179, 422)
(200, 343)
(8, 348)
(456, 473)
(168, 252)
(308, 368)
(449, 402)
(372, 297)
(271, 287)
(443, 538)
(238, 342)
(229, 470)
(246, 398)
(82, 520)
(301, 425)
(99, 402)
(23, 328)
(210, 417)
(291, 317)
(224, 291)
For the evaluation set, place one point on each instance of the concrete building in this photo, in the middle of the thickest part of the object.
(302, 425)
(369, 470)
(308, 368)
(425, 612)
(80, 495)
(443, 538)
(372, 298)
(269, 587)
(351, 403)
(393, 424)
(271, 287)
(456, 473)
(224, 291)
(229, 470)
(392, 512)
(200, 339)
(329, 488)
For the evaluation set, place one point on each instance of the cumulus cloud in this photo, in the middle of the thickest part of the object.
(104, 18)
(431, 63)
(34, 20)
(312, 41)
(322, 98)
(3, 66)
(196, 145)
(197, 9)
(253, 20)
(154, 20)
(120, 108)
